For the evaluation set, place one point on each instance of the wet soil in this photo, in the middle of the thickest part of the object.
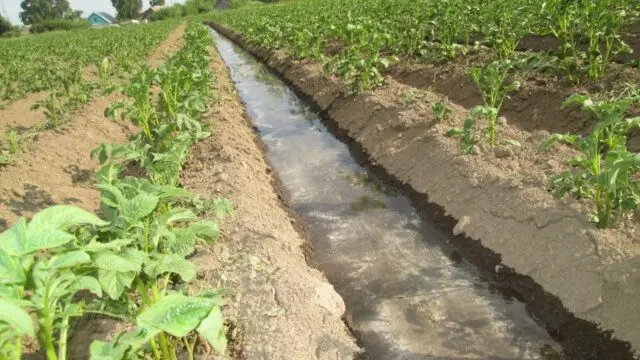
(573, 277)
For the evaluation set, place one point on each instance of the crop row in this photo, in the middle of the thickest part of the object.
(48, 61)
(130, 261)
(358, 39)
(372, 34)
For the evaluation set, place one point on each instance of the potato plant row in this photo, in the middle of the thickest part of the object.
(358, 39)
(48, 61)
(129, 261)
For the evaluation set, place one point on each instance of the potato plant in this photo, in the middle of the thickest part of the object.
(606, 171)
(130, 263)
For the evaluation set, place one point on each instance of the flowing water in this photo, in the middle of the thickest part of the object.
(406, 296)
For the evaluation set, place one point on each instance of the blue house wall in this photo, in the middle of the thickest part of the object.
(97, 20)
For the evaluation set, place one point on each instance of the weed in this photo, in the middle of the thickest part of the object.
(440, 111)
(411, 97)
(12, 141)
(467, 134)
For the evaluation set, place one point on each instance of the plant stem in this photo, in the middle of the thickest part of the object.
(62, 343)
(164, 345)
(154, 348)
(18, 351)
(47, 328)
(189, 347)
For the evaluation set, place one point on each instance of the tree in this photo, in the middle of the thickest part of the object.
(35, 11)
(156, 2)
(127, 9)
(5, 25)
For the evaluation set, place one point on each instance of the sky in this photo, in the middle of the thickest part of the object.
(87, 7)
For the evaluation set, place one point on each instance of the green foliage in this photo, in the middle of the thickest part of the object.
(127, 9)
(490, 80)
(467, 134)
(599, 23)
(43, 285)
(440, 111)
(59, 24)
(12, 141)
(133, 259)
(47, 61)
(36, 11)
(367, 31)
(167, 13)
(605, 172)
(156, 2)
(189, 8)
(5, 26)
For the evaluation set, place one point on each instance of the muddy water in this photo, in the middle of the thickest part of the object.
(407, 296)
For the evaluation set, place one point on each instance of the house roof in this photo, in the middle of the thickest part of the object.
(108, 18)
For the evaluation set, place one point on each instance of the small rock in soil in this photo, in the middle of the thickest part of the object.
(502, 152)
(501, 120)
(461, 225)
(327, 297)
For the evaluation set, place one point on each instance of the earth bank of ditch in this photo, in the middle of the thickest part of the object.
(571, 275)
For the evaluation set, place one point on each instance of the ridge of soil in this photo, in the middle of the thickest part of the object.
(261, 254)
(573, 277)
(17, 114)
(58, 168)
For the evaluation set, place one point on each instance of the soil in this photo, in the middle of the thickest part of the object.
(18, 115)
(57, 169)
(572, 276)
(281, 308)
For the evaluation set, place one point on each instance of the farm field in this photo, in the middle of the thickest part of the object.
(325, 179)
(110, 225)
(518, 119)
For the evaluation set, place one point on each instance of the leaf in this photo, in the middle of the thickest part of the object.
(100, 350)
(204, 229)
(114, 283)
(455, 132)
(176, 215)
(512, 142)
(87, 283)
(19, 320)
(10, 269)
(117, 244)
(212, 329)
(171, 263)
(139, 207)
(62, 217)
(223, 207)
(43, 238)
(110, 261)
(70, 259)
(12, 241)
(111, 195)
(176, 314)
